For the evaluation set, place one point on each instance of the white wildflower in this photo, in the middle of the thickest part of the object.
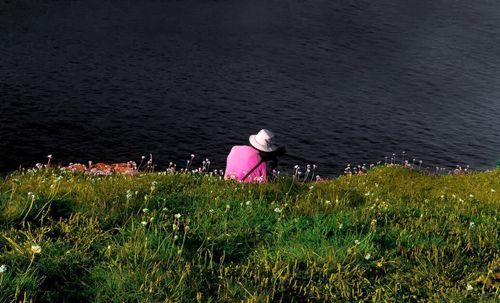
(144, 223)
(356, 242)
(211, 211)
(176, 237)
(145, 210)
(3, 268)
(311, 187)
(175, 227)
(328, 202)
(492, 190)
(228, 206)
(469, 287)
(248, 203)
(471, 196)
(277, 210)
(341, 226)
(368, 256)
(177, 216)
(129, 194)
(36, 249)
(472, 224)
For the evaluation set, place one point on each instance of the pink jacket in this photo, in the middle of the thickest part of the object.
(241, 160)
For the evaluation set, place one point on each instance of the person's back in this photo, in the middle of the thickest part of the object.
(241, 160)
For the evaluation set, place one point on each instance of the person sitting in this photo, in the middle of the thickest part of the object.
(249, 163)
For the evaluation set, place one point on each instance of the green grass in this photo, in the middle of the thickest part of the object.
(392, 235)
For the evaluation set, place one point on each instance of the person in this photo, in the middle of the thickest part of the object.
(249, 163)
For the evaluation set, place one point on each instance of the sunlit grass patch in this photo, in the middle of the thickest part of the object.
(392, 234)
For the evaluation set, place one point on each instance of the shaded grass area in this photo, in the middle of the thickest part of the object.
(391, 235)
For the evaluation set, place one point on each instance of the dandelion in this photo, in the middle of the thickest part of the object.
(36, 249)
(177, 216)
(144, 223)
(277, 210)
(3, 268)
(368, 256)
(379, 264)
(469, 287)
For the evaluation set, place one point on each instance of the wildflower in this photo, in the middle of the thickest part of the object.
(379, 264)
(151, 219)
(277, 210)
(368, 193)
(472, 224)
(228, 206)
(144, 223)
(186, 228)
(248, 203)
(356, 242)
(175, 227)
(492, 190)
(341, 226)
(368, 256)
(177, 216)
(328, 202)
(176, 237)
(145, 210)
(36, 249)
(311, 187)
(471, 196)
(3, 268)
(49, 156)
(164, 209)
(210, 210)
(469, 287)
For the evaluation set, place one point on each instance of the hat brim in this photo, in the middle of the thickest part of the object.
(261, 147)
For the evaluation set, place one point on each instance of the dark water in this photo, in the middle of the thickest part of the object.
(338, 81)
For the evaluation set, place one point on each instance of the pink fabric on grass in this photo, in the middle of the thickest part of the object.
(241, 160)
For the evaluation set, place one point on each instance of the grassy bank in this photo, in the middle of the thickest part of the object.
(391, 235)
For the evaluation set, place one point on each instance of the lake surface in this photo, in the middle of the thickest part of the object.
(337, 81)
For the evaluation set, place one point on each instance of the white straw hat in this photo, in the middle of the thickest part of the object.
(263, 141)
